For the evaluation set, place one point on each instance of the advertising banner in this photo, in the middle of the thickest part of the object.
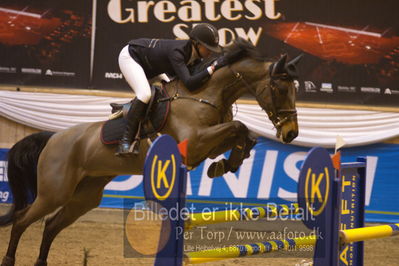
(123, 20)
(45, 43)
(5, 194)
(270, 174)
(351, 50)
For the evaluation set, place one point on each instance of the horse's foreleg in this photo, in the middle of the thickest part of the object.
(215, 140)
(239, 153)
(86, 197)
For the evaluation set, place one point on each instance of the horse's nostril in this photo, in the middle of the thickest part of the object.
(291, 135)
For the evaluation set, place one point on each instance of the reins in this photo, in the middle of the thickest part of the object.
(177, 96)
(273, 114)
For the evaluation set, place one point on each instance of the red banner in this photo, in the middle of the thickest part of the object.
(45, 42)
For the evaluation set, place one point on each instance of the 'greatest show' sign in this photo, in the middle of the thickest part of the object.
(185, 14)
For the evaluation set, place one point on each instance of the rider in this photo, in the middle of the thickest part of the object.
(144, 59)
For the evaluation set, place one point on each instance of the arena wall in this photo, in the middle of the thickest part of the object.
(11, 132)
(279, 179)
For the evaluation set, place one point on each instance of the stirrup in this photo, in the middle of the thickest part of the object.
(123, 151)
(135, 147)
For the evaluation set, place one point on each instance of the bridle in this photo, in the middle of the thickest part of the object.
(277, 116)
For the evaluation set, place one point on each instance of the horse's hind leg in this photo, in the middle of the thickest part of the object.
(39, 208)
(87, 196)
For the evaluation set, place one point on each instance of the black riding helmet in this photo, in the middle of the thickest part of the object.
(207, 35)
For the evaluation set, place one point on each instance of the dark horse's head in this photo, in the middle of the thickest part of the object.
(271, 83)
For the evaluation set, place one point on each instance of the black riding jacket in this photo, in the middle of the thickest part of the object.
(158, 56)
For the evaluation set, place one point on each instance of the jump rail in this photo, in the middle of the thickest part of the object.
(332, 197)
(367, 233)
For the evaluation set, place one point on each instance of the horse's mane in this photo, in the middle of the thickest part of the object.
(242, 48)
(239, 49)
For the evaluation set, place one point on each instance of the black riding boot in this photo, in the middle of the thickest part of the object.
(134, 116)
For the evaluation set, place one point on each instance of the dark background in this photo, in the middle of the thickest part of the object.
(111, 37)
(65, 49)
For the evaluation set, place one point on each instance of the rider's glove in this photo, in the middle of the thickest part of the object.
(220, 62)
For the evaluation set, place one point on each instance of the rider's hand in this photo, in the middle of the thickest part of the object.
(220, 62)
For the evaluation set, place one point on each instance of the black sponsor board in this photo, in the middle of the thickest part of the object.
(351, 50)
(119, 21)
(45, 43)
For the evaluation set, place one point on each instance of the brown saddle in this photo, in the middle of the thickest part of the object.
(155, 118)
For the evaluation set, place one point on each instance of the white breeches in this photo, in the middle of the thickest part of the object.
(134, 75)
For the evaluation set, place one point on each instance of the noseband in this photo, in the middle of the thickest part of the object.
(276, 115)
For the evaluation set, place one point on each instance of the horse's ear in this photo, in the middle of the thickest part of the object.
(291, 66)
(279, 66)
(295, 61)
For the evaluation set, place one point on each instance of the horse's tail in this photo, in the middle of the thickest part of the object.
(22, 167)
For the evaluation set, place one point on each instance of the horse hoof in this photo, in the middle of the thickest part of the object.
(217, 169)
(7, 261)
(40, 262)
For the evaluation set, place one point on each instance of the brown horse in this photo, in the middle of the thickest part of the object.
(64, 174)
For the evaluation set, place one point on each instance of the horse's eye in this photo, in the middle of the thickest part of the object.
(286, 77)
(283, 90)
